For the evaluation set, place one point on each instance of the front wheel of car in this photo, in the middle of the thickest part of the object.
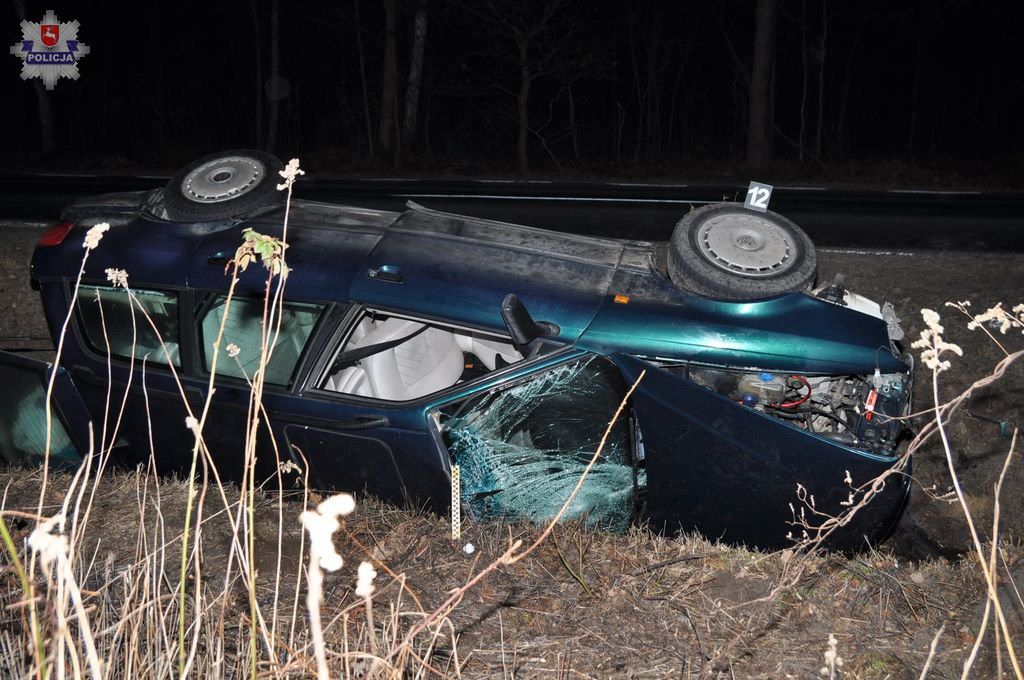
(728, 252)
(223, 185)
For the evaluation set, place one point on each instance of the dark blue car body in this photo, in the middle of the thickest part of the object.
(710, 459)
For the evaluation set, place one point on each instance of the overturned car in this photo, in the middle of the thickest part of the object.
(412, 342)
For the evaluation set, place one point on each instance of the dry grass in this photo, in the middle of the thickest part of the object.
(657, 606)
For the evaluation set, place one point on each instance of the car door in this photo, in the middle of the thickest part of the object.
(523, 439)
(733, 473)
(23, 419)
(237, 323)
(361, 443)
(132, 365)
(383, 450)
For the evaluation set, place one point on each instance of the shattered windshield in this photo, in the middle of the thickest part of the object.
(521, 450)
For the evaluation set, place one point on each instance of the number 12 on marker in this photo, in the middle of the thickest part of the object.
(758, 196)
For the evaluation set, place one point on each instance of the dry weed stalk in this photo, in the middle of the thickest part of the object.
(934, 347)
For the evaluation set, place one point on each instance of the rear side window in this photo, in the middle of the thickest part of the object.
(243, 329)
(112, 318)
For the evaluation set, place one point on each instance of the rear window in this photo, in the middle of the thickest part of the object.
(243, 329)
(114, 322)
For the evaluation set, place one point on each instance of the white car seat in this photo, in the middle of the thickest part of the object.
(427, 362)
(351, 380)
(487, 350)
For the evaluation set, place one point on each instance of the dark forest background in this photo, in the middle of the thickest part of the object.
(910, 92)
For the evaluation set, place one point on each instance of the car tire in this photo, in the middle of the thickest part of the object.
(728, 252)
(223, 185)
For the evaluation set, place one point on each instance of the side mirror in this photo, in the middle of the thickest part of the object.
(521, 326)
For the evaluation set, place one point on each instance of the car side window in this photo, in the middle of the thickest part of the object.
(521, 449)
(394, 358)
(115, 318)
(243, 329)
(23, 421)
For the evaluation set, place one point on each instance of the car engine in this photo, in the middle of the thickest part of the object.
(860, 411)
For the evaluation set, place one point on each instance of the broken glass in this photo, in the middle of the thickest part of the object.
(23, 421)
(521, 450)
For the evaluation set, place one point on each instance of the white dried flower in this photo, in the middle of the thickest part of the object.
(192, 424)
(93, 236)
(469, 548)
(289, 466)
(48, 545)
(832, 658)
(341, 504)
(932, 344)
(931, 319)
(320, 529)
(997, 316)
(290, 173)
(321, 525)
(118, 277)
(233, 350)
(364, 580)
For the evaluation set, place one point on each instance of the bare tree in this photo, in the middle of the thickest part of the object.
(820, 57)
(388, 123)
(259, 73)
(362, 78)
(415, 82)
(803, 79)
(761, 118)
(655, 53)
(542, 37)
(759, 80)
(275, 74)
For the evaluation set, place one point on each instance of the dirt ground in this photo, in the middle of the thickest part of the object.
(916, 280)
(598, 605)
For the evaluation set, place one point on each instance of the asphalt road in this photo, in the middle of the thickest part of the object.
(896, 219)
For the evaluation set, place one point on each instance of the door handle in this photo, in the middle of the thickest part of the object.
(387, 273)
(196, 398)
(85, 375)
(361, 423)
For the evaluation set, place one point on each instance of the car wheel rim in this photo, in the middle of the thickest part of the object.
(223, 179)
(747, 245)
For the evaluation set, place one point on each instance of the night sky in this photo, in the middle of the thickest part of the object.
(916, 91)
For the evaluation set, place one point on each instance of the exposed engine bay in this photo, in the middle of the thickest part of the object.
(860, 411)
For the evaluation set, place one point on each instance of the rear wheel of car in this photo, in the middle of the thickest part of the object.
(223, 185)
(728, 252)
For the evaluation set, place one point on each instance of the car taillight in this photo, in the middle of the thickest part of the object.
(56, 234)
